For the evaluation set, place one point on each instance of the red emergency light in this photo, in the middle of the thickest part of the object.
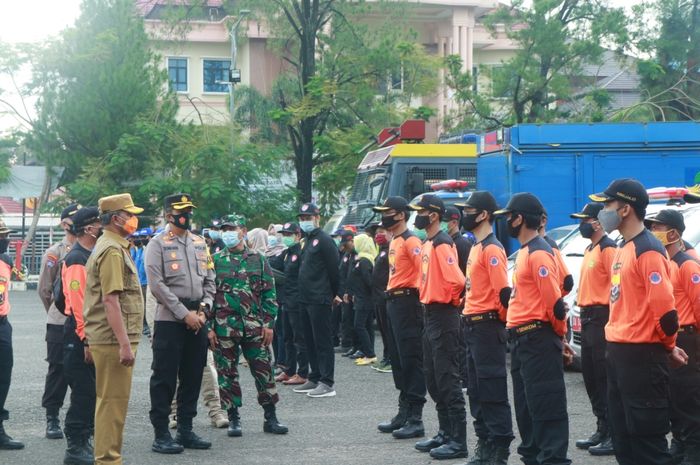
(449, 185)
(666, 193)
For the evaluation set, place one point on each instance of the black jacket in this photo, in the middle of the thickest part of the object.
(347, 261)
(360, 282)
(318, 274)
(464, 246)
(292, 261)
(380, 275)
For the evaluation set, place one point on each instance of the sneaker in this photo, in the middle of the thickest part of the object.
(365, 361)
(356, 355)
(306, 387)
(322, 390)
(384, 368)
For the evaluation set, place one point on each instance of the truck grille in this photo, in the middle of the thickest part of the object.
(430, 175)
(469, 175)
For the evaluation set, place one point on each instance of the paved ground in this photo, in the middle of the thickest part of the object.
(336, 431)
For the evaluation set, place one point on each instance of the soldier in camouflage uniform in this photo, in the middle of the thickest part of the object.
(241, 321)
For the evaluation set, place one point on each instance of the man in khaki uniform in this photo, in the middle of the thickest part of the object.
(56, 386)
(113, 322)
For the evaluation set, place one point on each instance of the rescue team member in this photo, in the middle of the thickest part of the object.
(113, 322)
(537, 324)
(181, 278)
(318, 277)
(405, 321)
(56, 386)
(6, 358)
(291, 238)
(360, 287)
(241, 322)
(441, 290)
(567, 281)
(593, 298)
(641, 331)
(484, 312)
(78, 367)
(346, 247)
(668, 227)
(380, 278)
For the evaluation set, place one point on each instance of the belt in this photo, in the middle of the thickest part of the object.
(3, 318)
(481, 317)
(402, 292)
(687, 329)
(527, 328)
(190, 304)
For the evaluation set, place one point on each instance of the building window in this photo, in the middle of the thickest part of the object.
(396, 79)
(501, 82)
(216, 75)
(177, 71)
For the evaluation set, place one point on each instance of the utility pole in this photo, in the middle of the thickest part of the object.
(234, 76)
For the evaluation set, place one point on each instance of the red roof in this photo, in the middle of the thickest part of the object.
(146, 6)
(8, 205)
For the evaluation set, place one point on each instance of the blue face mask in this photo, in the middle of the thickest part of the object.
(272, 241)
(214, 235)
(307, 226)
(231, 238)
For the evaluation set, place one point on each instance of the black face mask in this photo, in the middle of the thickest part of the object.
(422, 222)
(389, 221)
(182, 220)
(469, 221)
(514, 231)
(4, 244)
(586, 230)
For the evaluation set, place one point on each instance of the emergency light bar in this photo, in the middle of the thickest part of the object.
(667, 193)
(450, 185)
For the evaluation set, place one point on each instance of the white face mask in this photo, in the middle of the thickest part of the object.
(231, 239)
(307, 226)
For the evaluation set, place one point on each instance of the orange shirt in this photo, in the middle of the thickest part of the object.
(641, 293)
(536, 287)
(685, 274)
(5, 276)
(404, 262)
(487, 275)
(693, 253)
(562, 269)
(594, 282)
(73, 280)
(442, 282)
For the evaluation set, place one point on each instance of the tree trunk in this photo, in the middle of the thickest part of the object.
(37, 211)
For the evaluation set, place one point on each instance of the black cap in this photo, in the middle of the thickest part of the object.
(692, 197)
(396, 203)
(627, 190)
(480, 200)
(309, 209)
(523, 202)
(69, 211)
(290, 228)
(590, 211)
(429, 202)
(451, 214)
(85, 216)
(178, 202)
(671, 218)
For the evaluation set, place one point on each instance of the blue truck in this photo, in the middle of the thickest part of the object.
(563, 163)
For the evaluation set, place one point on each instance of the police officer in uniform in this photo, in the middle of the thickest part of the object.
(6, 359)
(405, 321)
(593, 299)
(56, 386)
(537, 326)
(668, 226)
(181, 278)
(641, 331)
(78, 366)
(441, 291)
(485, 310)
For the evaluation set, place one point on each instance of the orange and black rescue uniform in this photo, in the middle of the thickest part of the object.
(567, 281)
(6, 357)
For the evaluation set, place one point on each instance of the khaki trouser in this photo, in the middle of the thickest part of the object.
(113, 386)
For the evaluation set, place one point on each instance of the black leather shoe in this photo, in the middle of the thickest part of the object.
(410, 429)
(6, 442)
(604, 448)
(79, 452)
(272, 425)
(189, 440)
(234, 424)
(594, 440)
(429, 444)
(164, 444)
(393, 424)
(451, 450)
(349, 352)
(53, 427)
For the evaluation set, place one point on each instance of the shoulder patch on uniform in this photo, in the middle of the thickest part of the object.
(382, 253)
(315, 242)
(695, 278)
(493, 261)
(50, 261)
(543, 272)
(294, 258)
(416, 251)
(450, 260)
(655, 277)
(75, 285)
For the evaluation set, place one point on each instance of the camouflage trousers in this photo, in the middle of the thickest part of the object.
(227, 355)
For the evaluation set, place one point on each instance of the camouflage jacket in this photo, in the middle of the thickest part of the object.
(245, 299)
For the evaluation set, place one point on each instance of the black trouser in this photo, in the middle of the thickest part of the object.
(405, 318)
(595, 378)
(317, 320)
(278, 342)
(380, 312)
(441, 336)
(638, 403)
(685, 392)
(463, 371)
(335, 323)
(56, 386)
(80, 417)
(287, 339)
(295, 332)
(6, 361)
(537, 368)
(178, 355)
(488, 381)
(348, 338)
(364, 330)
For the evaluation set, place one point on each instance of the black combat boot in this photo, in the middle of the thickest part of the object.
(398, 420)
(6, 442)
(456, 447)
(271, 424)
(234, 423)
(500, 453)
(164, 444)
(79, 451)
(604, 448)
(677, 451)
(482, 452)
(595, 439)
(440, 438)
(692, 455)
(413, 427)
(188, 438)
(53, 426)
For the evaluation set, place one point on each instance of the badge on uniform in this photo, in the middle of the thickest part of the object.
(655, 277)
(543, 272)
(75, 285)
(315, 242)
(175, 266)
(450, 260)
(416, 251)
(695, 278)
(173, 255)
(382, 254)
(294, 258)
(345, 259)
(51, 261)
(493, 261)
